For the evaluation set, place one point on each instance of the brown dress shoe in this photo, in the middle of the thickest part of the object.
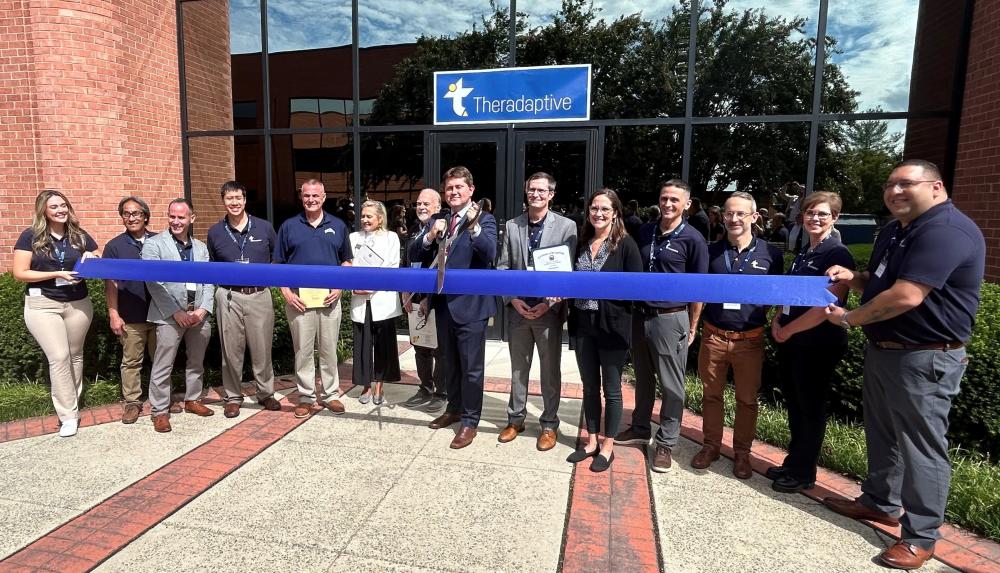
(742, 467)
(335, 406)
(509, 433)
(903, 555)
(196, 407)
(547, 440)
(131, 413)
(161, 423)
(464, 438)
(705, 457)
(231, 409)
(176, 408)
(270, 404)
(303, 410)
(856, 510)
(443, 421)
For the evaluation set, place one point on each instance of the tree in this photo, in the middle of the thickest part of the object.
(858, 163)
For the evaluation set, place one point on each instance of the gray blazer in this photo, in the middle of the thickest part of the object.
(168, 298)
(556, 230)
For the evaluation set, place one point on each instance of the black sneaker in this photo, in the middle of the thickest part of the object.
(419, 399)
(436, 404)
(630, 436)
(788, 484)
(775, 472)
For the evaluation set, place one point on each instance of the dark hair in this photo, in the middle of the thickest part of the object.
(229, 186)
(542, 175)
(458, 172)
(676, 182)
(181, 200)
(133, 199)
(617, 224)
(928, 167)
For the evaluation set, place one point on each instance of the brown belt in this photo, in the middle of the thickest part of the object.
(660, 310)
(890, 345)
(751, 334)
(243, 290)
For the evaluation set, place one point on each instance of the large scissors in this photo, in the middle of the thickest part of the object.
(445, 241)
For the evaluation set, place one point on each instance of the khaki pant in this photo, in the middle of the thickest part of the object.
(61, 329)
(245, 320)
(136, 339)
(716, 356)
(315, 331)
(168, 340)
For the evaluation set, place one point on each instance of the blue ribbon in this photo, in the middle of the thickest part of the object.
(718, 288)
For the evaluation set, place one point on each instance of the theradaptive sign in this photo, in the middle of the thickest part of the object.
(546, 104)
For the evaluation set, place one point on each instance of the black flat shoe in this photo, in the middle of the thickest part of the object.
(580, 455)
(775, 472)
(788, 484)
(601, 463)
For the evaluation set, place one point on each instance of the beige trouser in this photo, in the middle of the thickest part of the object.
(60, 329)
(136, 338)
(245, 320)
(315, 330)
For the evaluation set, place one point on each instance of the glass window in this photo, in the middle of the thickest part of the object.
(639, 58)
(327, 157)
(392, 166)
(755, 60)
(638, 158)
(403, 43)
(309, 58)
(215, 160)
(871, 50)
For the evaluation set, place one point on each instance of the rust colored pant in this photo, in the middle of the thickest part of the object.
(746, 357)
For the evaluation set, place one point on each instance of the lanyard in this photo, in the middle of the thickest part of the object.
(61, 253)
(739, 269)
(800, 259)
(136, 242)
(655, 252)
(246, 234)
(534, 241)
(183, 251)
(895, 241)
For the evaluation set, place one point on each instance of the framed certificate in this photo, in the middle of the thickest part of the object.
(553, 259)
(313, 297)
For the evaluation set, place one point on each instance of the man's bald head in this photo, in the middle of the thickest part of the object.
(428, 203)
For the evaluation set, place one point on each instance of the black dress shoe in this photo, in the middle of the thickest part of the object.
(775, 472)
(787, 484)
(580, 455)
(601, 463)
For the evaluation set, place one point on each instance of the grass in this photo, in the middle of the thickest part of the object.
(27, 400)
(974, 497)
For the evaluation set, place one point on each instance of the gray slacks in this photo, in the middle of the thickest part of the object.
(245, 320)
(907, 396)
(168, 340)
(545, 333)
(660, 351)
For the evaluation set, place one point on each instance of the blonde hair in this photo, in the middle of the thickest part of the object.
(41, 237)
(380, 211)
(829, 197)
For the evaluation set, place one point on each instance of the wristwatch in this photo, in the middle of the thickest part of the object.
(843, 322)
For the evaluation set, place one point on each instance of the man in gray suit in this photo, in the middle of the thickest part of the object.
(179, 311)
(533, 322)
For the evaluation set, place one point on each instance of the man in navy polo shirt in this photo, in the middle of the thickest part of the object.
(733, 336)
(245, 314)
(920, 295)
(128, 304)
(663, 331)
(314, 237)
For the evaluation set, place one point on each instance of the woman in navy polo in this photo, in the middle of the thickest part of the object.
(809, 346)
(57, 310)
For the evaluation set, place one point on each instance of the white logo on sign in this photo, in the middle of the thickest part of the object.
(457, 93)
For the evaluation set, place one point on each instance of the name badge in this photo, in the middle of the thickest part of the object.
(530, 268)
(786, 309)
(191, 286)
(63, 282)
(243, 260)
(34, 292)
(880, 270)
(730, 306)
(415, 265)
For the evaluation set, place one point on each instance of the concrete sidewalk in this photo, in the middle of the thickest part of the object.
(376, 490)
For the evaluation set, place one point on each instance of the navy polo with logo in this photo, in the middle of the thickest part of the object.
(942, 249)
(254, 243)
(758, 258)
(299, 243)
(813, 263)
(675, 252)
(133, 298)
(52, 262)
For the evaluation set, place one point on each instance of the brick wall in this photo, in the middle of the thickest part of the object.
(92, 88)
(976, 189)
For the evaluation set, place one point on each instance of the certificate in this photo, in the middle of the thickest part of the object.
(423, 329)
(552, 259)
(313, 297)
(367, 256)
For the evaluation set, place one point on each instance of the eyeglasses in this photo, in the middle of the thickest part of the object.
(904, 184)
(602, 210)
(735, 215)
(537, 192)
(821, 215)
(132, 215)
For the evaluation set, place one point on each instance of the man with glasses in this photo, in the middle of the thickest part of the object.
(533, 322)
(128, 304)
(663, 331)
(245, 313)
(919, 298)
(733, 336)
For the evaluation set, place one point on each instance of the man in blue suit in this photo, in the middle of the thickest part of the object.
(470, 237)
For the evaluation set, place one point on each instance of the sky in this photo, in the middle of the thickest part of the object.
(876, 36)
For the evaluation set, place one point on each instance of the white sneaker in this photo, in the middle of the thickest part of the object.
(68, 428)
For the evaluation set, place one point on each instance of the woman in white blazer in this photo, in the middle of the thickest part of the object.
(373, 313)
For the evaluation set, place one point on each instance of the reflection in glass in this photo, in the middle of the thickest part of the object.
(566, 161)
(481, 160)
(637, 159)
(327, 157)
(392, 166)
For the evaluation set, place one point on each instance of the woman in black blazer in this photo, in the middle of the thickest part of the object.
(602, 329)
